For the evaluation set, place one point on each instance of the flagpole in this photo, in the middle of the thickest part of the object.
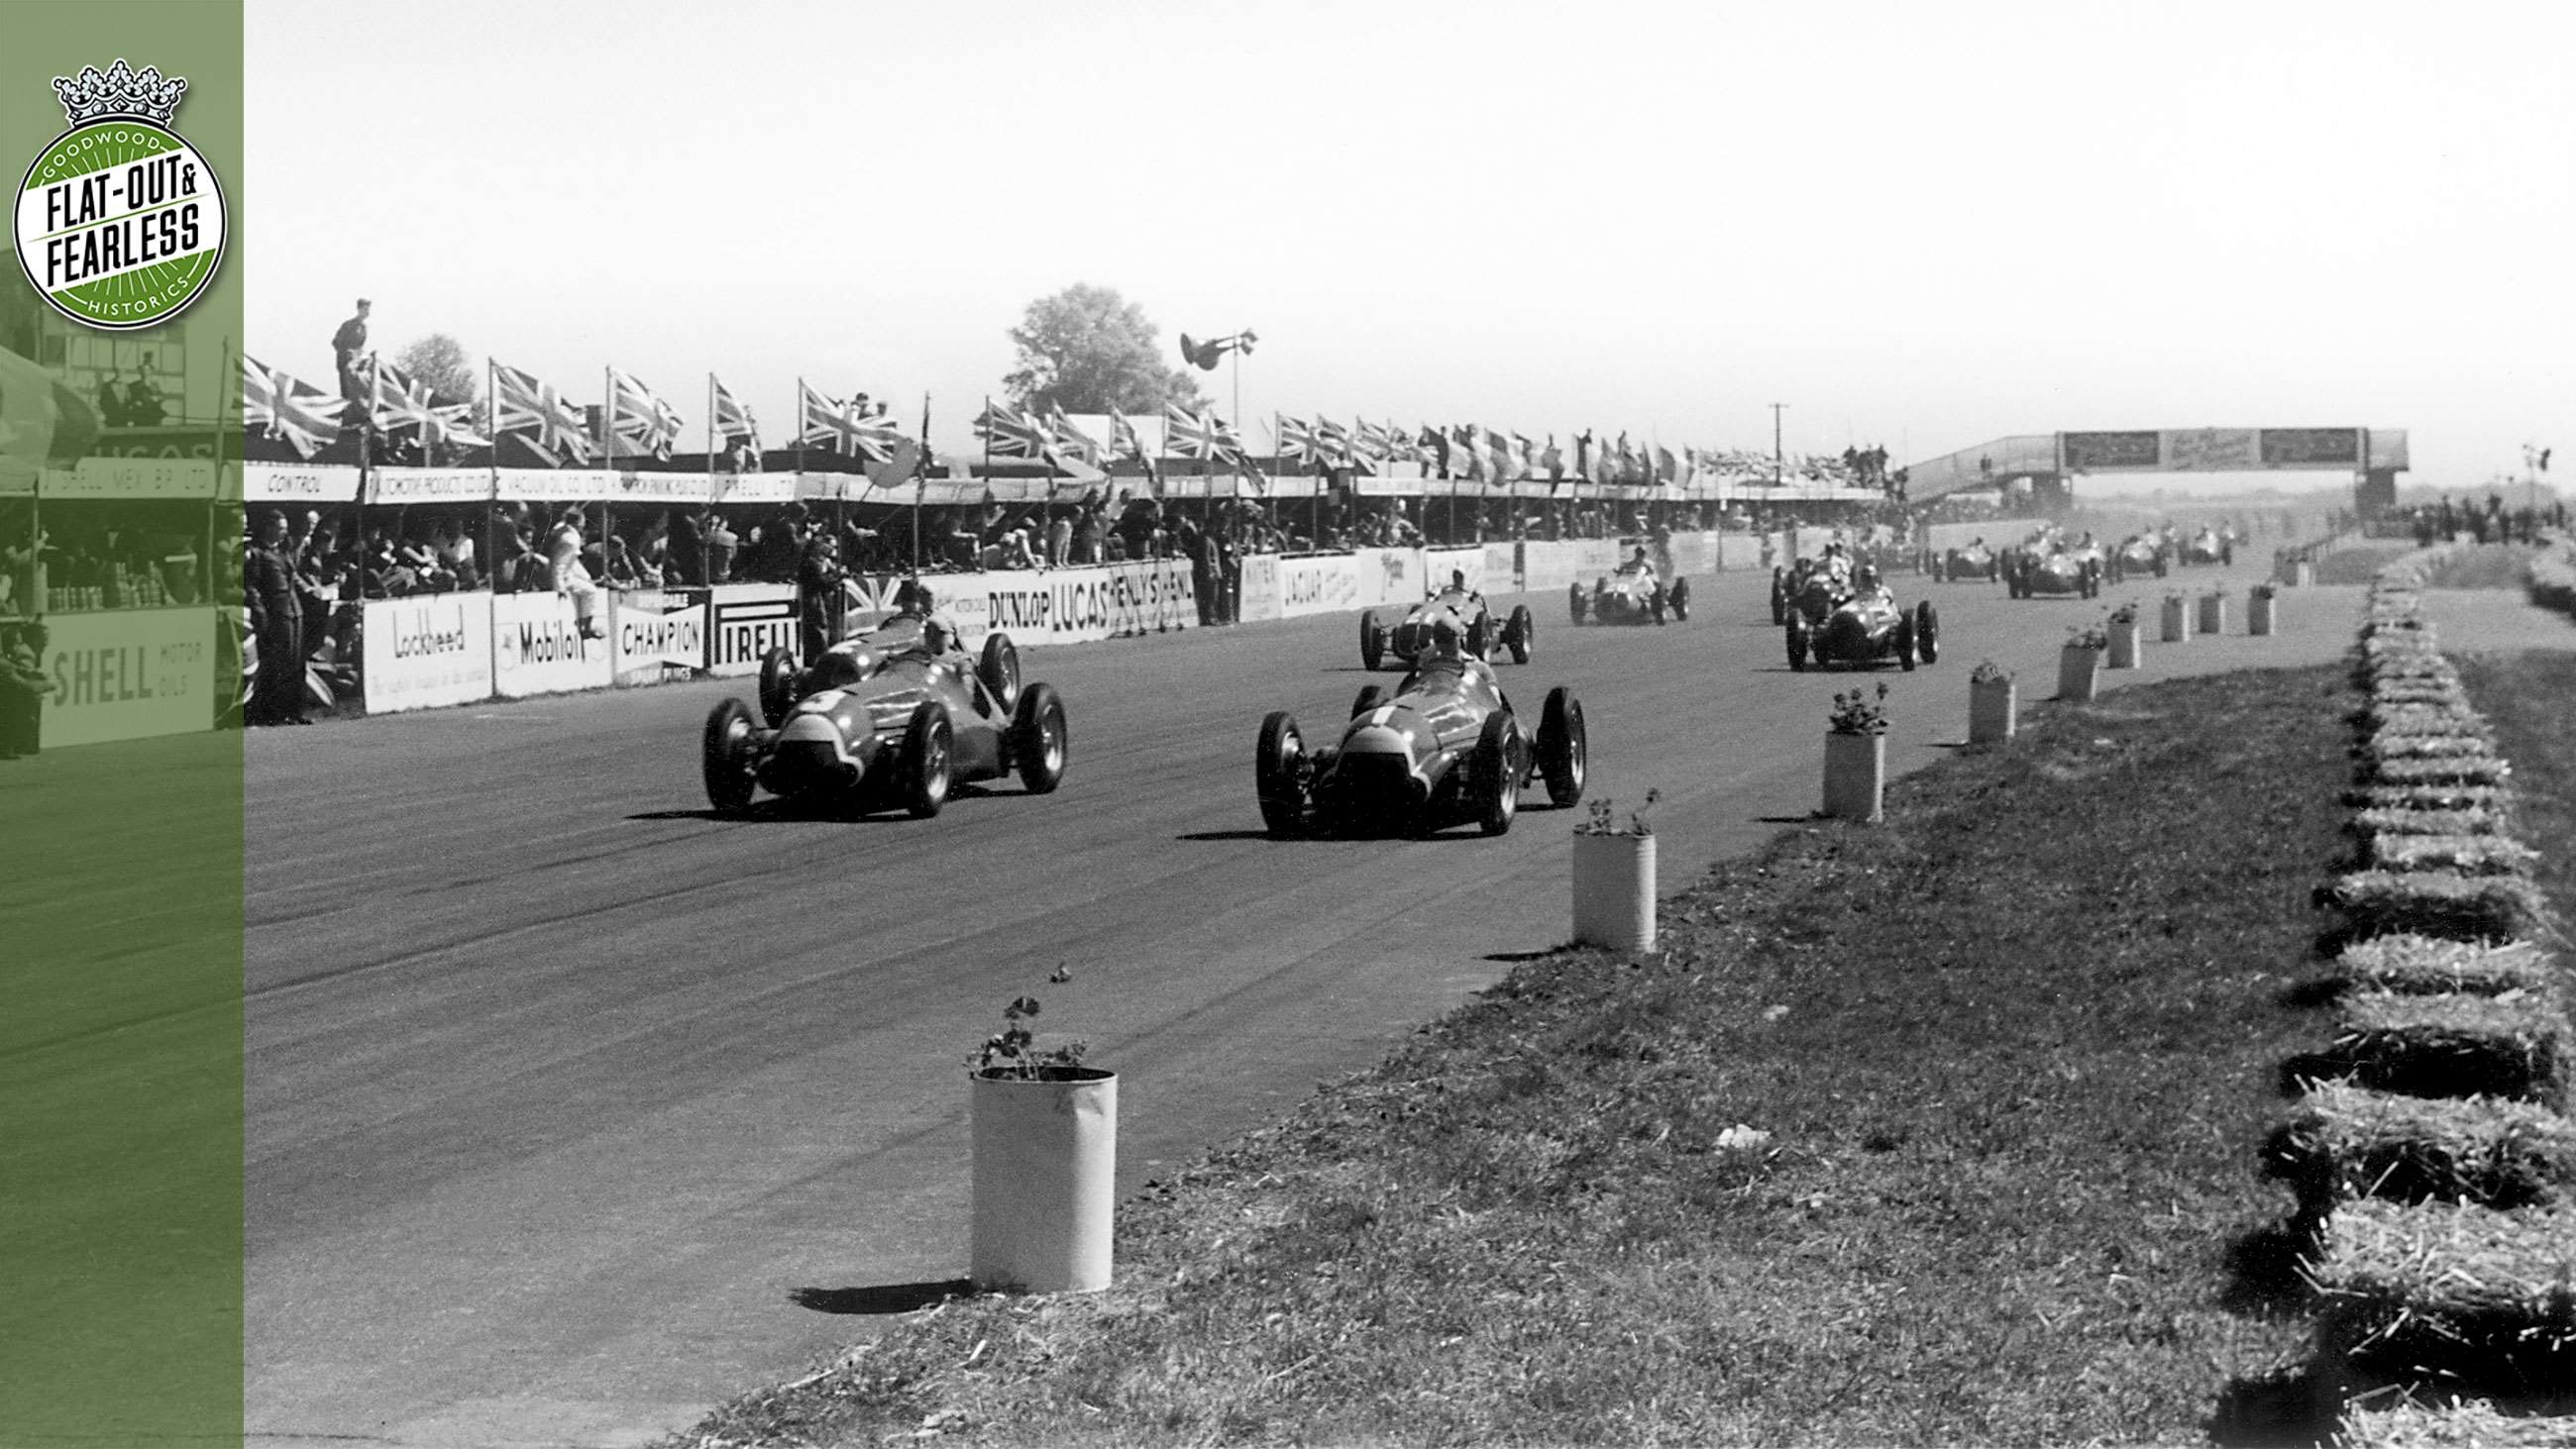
(492, 416)
(800, 425)
(920, 484)
(711, 433)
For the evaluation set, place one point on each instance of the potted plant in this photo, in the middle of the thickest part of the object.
(1991, 701)
(2213, 612)
(2079, 663)
(2258, 608)
(1856, 756)
(2177, 618)
(2128, 637)
(1614, 878)
(1046, 1162)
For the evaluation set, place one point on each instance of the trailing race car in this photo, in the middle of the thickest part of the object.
(1633, 595)
(2142, 553)
(1445, 748)
(1867, 628)
(2029, 573)
(1976, 561)
(1808, 588)
(1465, 609)
(2210, 546)
(893, 718)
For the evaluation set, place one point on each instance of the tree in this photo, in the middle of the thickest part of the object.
(1086, 350)
(440, 361)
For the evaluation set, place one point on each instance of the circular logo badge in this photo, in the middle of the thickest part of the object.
(120, 223)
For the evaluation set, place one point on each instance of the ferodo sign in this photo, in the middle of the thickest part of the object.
(537, 647)
(655, 636)
(746, 621)
(428, 651)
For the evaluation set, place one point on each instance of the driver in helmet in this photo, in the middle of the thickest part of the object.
(1865, 583)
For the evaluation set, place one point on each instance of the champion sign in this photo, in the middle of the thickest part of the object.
(658, 636)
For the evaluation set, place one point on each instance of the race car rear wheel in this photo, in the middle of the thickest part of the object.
(1039, 742)
(1372, 642)
(1279, 774)
(1521, 634)
(1798, 644)
(1655, 603)
(1574, 601)
(1370, 697)
(1681, 601)
(777, 686)
(1000, 670)
(1564, 751)
(1905, 642)
(1927, 632)
(927, 745)
(1480, 635)
(1498, 785)
(725, 756)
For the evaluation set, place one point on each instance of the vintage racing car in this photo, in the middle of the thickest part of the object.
(2210, 546)
(892, 718)
(1808, 587)
(1867, 628)
(2141, 553)
(1976, 561)
(1633, 595)
(1463, 608)
(1446, 747)
(2030, 572)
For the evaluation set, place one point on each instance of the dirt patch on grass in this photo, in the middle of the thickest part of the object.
(1941, 1131)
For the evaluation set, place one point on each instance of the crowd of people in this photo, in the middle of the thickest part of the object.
(2490, 521)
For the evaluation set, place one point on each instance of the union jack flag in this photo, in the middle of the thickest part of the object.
(1466, 460)
(1297, 439)
(276, 405)
(536, 416)
(1332, 440)
(1072, 444)
(733, 420)
(1371, 442)
(1123, 443)
(640, 424)
(1009, 433)
(874, 434)
(823, 422)
(403, 401)
(1196, 434)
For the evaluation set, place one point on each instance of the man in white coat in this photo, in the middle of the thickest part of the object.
(572, 578)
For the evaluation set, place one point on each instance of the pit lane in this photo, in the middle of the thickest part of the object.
(560, 1092)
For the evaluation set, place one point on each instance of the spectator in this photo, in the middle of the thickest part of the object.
(570, 578)
(455, 553)
(419, 556)
(1060, 539)
(620, 565)
(346, 346)
(143, 405)
(387, 576)
(818, 595)
(277, 621)
(23, 687)
(722, 544)
(111, 402)
(653, 556)
(684, 559)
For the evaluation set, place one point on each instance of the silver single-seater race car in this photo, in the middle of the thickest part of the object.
(1445, 748)
(1867, 627)
(895, 718)
(2031, 572)
(2141, 553)
(1633, 595)
(1465, 610)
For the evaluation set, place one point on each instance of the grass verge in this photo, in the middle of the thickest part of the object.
(1937, 1131)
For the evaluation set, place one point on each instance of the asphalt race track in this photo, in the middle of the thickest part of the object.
(561, 1092)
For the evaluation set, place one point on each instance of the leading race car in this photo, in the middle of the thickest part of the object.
(894, 718)
(1465, 610)
(1445, 748)
(1976, 561)
(2140, 553)
(1633, 595)
(2029, 573)
(2210, 546)
(1867, 628)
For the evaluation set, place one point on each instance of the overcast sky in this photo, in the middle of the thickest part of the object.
(1919, 225)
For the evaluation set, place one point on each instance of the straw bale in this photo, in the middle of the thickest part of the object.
(2444, 770)
(2473, 1424)
(2421, 745)
(2424, 965)
(2454, 1045)
(2431, 797)
(2467, 854)
(2436, 903)
(2473, 821)
(2475, 1298)
(2344, 1141)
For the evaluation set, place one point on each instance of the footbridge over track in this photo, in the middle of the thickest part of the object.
(2045, 464)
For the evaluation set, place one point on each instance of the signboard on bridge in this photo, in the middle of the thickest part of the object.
(2213, 450)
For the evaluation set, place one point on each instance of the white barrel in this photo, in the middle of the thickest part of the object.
(1990, 712)
(1855, 776)
(1046, 1183)
(1614, 891)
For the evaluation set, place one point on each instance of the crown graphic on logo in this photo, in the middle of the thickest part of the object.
(120, 92)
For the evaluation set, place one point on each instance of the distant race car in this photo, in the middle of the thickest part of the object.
(1633, 595)
(1976, 561)
(2210, 546)
(1464, 608)
(1445, 748)
(883, 721)
(2029, 573)
(2140, 553)
(1867, 628)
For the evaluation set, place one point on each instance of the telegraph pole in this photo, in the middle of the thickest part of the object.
(1776, 465)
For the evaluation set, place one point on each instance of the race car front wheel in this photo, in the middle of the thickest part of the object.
(1927, 632)
(1039, 744)
(1279, 774)
(1497, 777)
(1000, 670)
(1574, 601)
(725, 756)
(1372, 643)
(777, 685)
(1521, 634)
(926, 756)
(1681, 601)
(1564, 751)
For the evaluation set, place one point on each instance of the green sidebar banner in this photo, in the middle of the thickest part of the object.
(121, 1144)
